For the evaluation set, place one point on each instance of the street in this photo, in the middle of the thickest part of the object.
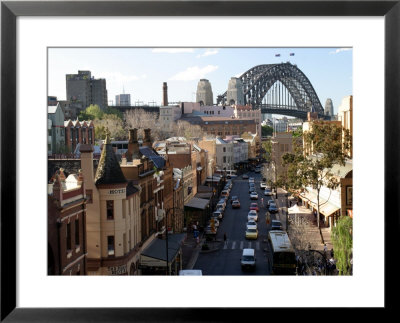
(226, 260)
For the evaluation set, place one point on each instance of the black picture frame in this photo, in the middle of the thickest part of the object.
(10, 10)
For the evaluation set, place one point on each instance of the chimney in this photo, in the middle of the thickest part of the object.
(147, 140)
(133, 145)
(165, 94)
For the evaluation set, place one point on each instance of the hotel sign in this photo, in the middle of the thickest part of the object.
(118, 270)
(117, 191)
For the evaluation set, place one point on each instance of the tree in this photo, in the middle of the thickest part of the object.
(115, 126)
(342, 239)
(267, 146)
(114, 111)
(92, 112)
(266, 131)
(324, 146)
(187, 130)
(141, 119)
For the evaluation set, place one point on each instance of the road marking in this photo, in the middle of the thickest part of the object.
(249, 245)
(241, 244)
(233, 244)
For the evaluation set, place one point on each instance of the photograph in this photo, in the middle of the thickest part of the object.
(210, 161)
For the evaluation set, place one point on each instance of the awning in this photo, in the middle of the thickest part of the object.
(155, 254)
(326, 208)
(197, 203)
(204, 195)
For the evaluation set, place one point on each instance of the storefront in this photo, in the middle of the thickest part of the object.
(329, 212)
(153, 259)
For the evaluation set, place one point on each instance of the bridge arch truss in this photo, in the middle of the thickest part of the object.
(279, 88)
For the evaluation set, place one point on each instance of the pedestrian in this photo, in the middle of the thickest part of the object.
(224, 238)
(262, 202)
(197, 240)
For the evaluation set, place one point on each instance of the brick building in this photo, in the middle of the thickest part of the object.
(82, 132)
(66, 225)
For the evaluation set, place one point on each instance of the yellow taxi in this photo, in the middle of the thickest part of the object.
(251, 233)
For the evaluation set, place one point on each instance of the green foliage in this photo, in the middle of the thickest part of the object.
(92, 112)
(311, 164)
(267, 146)
(297, 133)
(114, 111)
(266, 131)
(342, 239)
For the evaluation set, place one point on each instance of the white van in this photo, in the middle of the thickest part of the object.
(190, 272)
(248, 260)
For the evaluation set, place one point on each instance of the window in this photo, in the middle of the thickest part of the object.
(77, 232)
(69, 236)
(224, 160)
(89, 196)
(224, 149)
(282, 147)
(110, 210)
(219, 112)
(110, 245)
(286, 147)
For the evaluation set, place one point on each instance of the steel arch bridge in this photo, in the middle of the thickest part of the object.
(278, 89)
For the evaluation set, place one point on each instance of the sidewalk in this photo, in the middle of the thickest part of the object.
(312, 231)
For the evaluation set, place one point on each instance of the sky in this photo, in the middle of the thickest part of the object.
(141, 72)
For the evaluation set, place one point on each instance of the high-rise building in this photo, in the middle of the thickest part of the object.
(204, 94)
(86, 89)
(123, 100)
(329, 107)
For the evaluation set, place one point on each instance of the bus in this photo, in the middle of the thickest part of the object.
(283, 255)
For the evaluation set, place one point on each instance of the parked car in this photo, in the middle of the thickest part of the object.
(245, 176)
(252, 215)
(216, 222)
(272, 208)
(263, 185)
(264, 179)
(254, 196)
(236, 204)
(257, 170)
(270, 202)
(276, 225)
(251, 233)
(218, 214)
(252, 190)
(267, 192)
(254, 206)
(225, 193)
(251, 179)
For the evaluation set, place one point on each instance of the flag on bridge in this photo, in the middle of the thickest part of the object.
(291, 54)
(277, 55)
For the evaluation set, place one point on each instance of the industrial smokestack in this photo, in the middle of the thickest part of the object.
(165, 94)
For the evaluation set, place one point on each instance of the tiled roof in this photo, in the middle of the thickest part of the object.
(158, 160)
(108, 171)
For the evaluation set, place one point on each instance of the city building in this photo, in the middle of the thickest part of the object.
(113, 224)
(123, 100)
(220, 126)
(234, 94)
(224, 154)
(71, 109)
(168, 116)
(52, 100)
(226, 111)
(329, 108)
(204, 94)
(86, 89)
(333, 202)
(78, 132)
(246, 112)
(345, 116)
(282, 143)
(57, 134)
(66, 232)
